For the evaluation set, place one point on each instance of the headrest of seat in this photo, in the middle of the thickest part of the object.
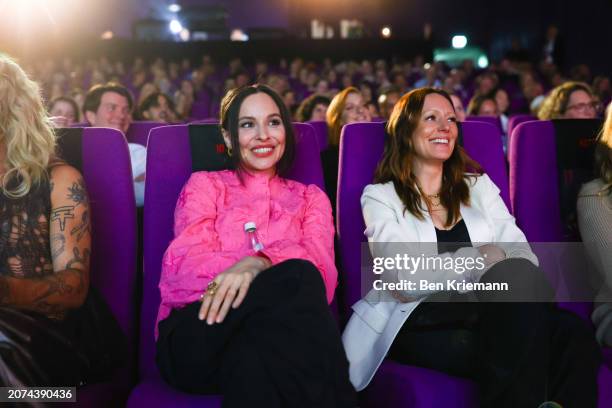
(70, 146)
(208, 150)
(575, 149)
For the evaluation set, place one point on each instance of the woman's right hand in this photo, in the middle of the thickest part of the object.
(232, 286)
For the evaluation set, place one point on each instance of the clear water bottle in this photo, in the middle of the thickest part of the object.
(253, 240)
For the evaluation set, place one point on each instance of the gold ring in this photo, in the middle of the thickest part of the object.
(211, 289)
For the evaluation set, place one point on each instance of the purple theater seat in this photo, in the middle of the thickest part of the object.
(169, 165)
(535, 196)
(482, 142)
(200, 109)
(515, 120)
(105, 163)
(361, 147)
(320, 127)
(493, 120)
(138, 132)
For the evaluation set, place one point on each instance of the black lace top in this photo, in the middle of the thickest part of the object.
(25, 250)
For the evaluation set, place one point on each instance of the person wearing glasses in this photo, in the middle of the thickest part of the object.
(571, 100)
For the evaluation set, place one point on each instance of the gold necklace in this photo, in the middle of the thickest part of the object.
(433, 197)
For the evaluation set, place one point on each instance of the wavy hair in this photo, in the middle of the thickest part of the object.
(25, 131)
(603, 152)
(398, 158)
(555, 104)
(334, 114)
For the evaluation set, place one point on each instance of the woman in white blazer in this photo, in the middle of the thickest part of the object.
(511, 339)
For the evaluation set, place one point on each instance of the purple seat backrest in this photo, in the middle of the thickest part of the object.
(200, 109)
(533, 181)
(138, 132)
(320, 127)
(515, 120)
(106, 167)
(206, 121)
(169, 165)
(361, 147)
(493, 120)
(482, 142)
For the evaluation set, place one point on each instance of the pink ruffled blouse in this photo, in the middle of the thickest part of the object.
(293, 221)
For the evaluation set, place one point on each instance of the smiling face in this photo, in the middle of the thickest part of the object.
(354, 109)
(436, 133)
(261, 134)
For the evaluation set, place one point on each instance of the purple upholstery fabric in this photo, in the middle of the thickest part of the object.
(533, 188)
(138, 132)
(106, 169)
(320, 128)
(204, 121)
(515, 120)
(169, 166)
(482, 142)
(486, 119)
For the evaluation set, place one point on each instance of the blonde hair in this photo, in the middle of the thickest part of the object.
(555, 104)
(603, 151)
(26, 132)
(334, 114)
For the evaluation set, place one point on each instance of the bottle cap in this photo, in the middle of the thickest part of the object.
(249, 226)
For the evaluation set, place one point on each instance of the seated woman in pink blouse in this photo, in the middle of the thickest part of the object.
(253, 324)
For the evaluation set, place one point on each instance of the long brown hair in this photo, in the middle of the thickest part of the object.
(603, 152)
(398, 158)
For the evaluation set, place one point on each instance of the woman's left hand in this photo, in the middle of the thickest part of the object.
(231, 288)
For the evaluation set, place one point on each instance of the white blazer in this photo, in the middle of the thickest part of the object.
(375, 323)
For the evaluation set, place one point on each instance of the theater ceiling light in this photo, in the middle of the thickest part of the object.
(459, 41)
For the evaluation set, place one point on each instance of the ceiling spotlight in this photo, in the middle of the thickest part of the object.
(175, 26)
(174, 8)
(107, 35)
(459, 41)
(386, 32)
(483, 61)
(184, 35)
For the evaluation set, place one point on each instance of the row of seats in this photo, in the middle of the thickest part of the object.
(174, 152)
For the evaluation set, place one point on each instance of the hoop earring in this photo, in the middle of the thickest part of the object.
(229, 151)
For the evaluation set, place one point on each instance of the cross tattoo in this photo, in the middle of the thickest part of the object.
(61, 214)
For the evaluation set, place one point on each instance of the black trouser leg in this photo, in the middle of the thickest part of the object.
(280, 346)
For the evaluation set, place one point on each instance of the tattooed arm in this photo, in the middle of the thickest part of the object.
(69, 230)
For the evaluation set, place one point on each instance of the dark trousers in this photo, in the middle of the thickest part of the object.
(280, 348)
(520, 353)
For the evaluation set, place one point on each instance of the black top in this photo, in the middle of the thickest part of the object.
(454, 238)
(25, 250)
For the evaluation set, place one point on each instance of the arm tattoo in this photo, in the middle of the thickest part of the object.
(61, 214)
(77, 192)
(77, 258)
(58, 244)
(83, 228)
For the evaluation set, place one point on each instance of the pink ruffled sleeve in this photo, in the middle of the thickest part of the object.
(194, 257)
(316, 243)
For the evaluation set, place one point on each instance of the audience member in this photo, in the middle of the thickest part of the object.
(45, 246)
(482, 105)
(64, 111)
(387, 100)
(572, 100)
(157, 107)
(111, 105)
(312, 108)
(595, 222)
(265, 301)
(423, 194)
